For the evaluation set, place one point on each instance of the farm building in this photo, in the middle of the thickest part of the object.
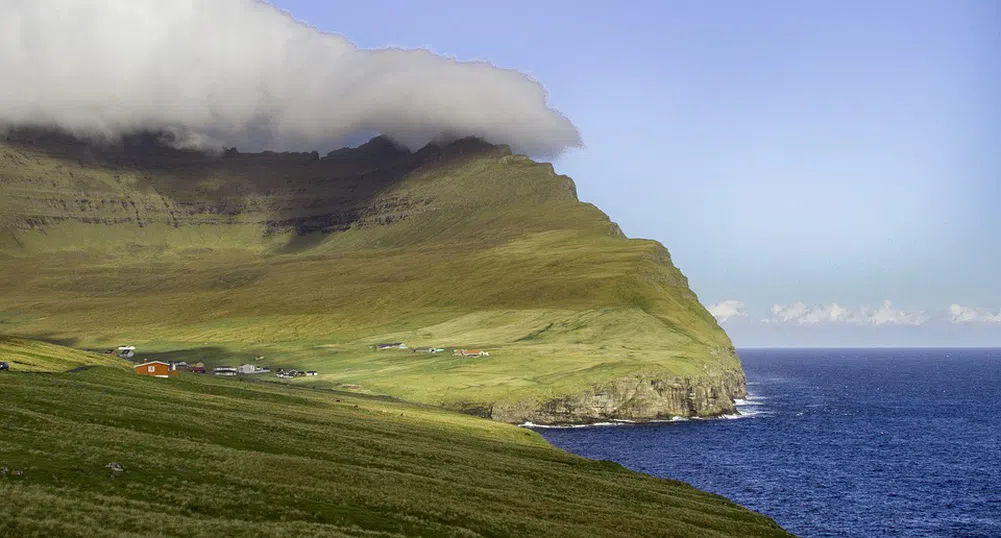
(312, 373)
(251, 369)
(225, 371)
(470, 353)
(197, 368)
(394, 345)
(126, 352)
(154, 368)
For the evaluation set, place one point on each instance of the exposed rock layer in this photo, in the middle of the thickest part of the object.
(635, 398)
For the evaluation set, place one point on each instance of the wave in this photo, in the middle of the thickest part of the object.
(603, 424)
(745, 413)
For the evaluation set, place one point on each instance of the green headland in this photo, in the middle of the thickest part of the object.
(298, 261)
(310, 261)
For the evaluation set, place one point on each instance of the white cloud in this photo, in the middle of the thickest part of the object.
(968, 314)
(887, 315)
(725, 310)
(242, 73)
(800, 314)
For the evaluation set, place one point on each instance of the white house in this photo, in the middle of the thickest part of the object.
(225, 371)
(251, 369)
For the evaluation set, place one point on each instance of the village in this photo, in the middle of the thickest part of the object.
(165, 369)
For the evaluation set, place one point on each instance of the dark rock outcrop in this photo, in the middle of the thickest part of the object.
(637, 397)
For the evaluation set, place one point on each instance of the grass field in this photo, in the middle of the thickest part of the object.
(32, 356)
(210, 457)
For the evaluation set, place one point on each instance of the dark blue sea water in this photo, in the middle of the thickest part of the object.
(867, 443)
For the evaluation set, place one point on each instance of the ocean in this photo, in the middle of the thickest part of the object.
(847, 443)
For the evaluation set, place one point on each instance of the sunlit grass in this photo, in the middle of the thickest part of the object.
(205, 456)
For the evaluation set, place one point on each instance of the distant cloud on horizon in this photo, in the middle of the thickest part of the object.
(243, 73)
(968, 315)
(726, 310)
(799, 313)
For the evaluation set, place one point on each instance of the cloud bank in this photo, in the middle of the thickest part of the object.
(242, 73)
(801, 314)
(725, 310)
(968, 314)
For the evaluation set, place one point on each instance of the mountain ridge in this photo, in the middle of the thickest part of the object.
(311, 258)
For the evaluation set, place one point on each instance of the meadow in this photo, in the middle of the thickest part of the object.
(201, 456)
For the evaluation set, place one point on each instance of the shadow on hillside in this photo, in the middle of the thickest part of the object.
(211, 355)
(50, 338)
(303, 193)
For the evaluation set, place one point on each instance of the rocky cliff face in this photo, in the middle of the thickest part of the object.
(638, 397)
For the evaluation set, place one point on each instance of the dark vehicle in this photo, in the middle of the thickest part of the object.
(4, 366)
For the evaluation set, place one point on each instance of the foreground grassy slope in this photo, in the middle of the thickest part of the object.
(210, 457)
(309, 261)
(33, 356)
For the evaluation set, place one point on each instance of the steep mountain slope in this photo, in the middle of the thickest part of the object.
(310, 260)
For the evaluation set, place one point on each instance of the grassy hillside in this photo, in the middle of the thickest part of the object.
(309, 260)
(32, 356)
(210, 457)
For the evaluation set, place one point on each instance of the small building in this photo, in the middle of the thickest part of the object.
(470, 353)
(180, 367)
(252, 369)
(423, 350)
(312, 373)
(225, 371)
(126, 352)
(394, 345)
(154, 368)
(197, 368)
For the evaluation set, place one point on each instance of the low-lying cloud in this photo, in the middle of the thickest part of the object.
(886, 314)
(242, 73)
(727, 310)
(969, 314)
(800, 314)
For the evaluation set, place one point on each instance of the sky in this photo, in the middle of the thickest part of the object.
(825, 174)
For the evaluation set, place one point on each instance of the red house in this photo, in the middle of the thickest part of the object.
(154, 368)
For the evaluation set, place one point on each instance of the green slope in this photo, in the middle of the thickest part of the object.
(210, 457)
(31, 356)
(310, 260)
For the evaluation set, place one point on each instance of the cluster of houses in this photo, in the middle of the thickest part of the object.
(246, 369)
(433, 350)
(166, 369)
(289, 374)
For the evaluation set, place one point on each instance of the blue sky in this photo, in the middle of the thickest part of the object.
(844, 153)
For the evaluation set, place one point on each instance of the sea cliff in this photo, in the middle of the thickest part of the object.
(636, 398)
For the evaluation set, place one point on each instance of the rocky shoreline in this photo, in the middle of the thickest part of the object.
(634, 398)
